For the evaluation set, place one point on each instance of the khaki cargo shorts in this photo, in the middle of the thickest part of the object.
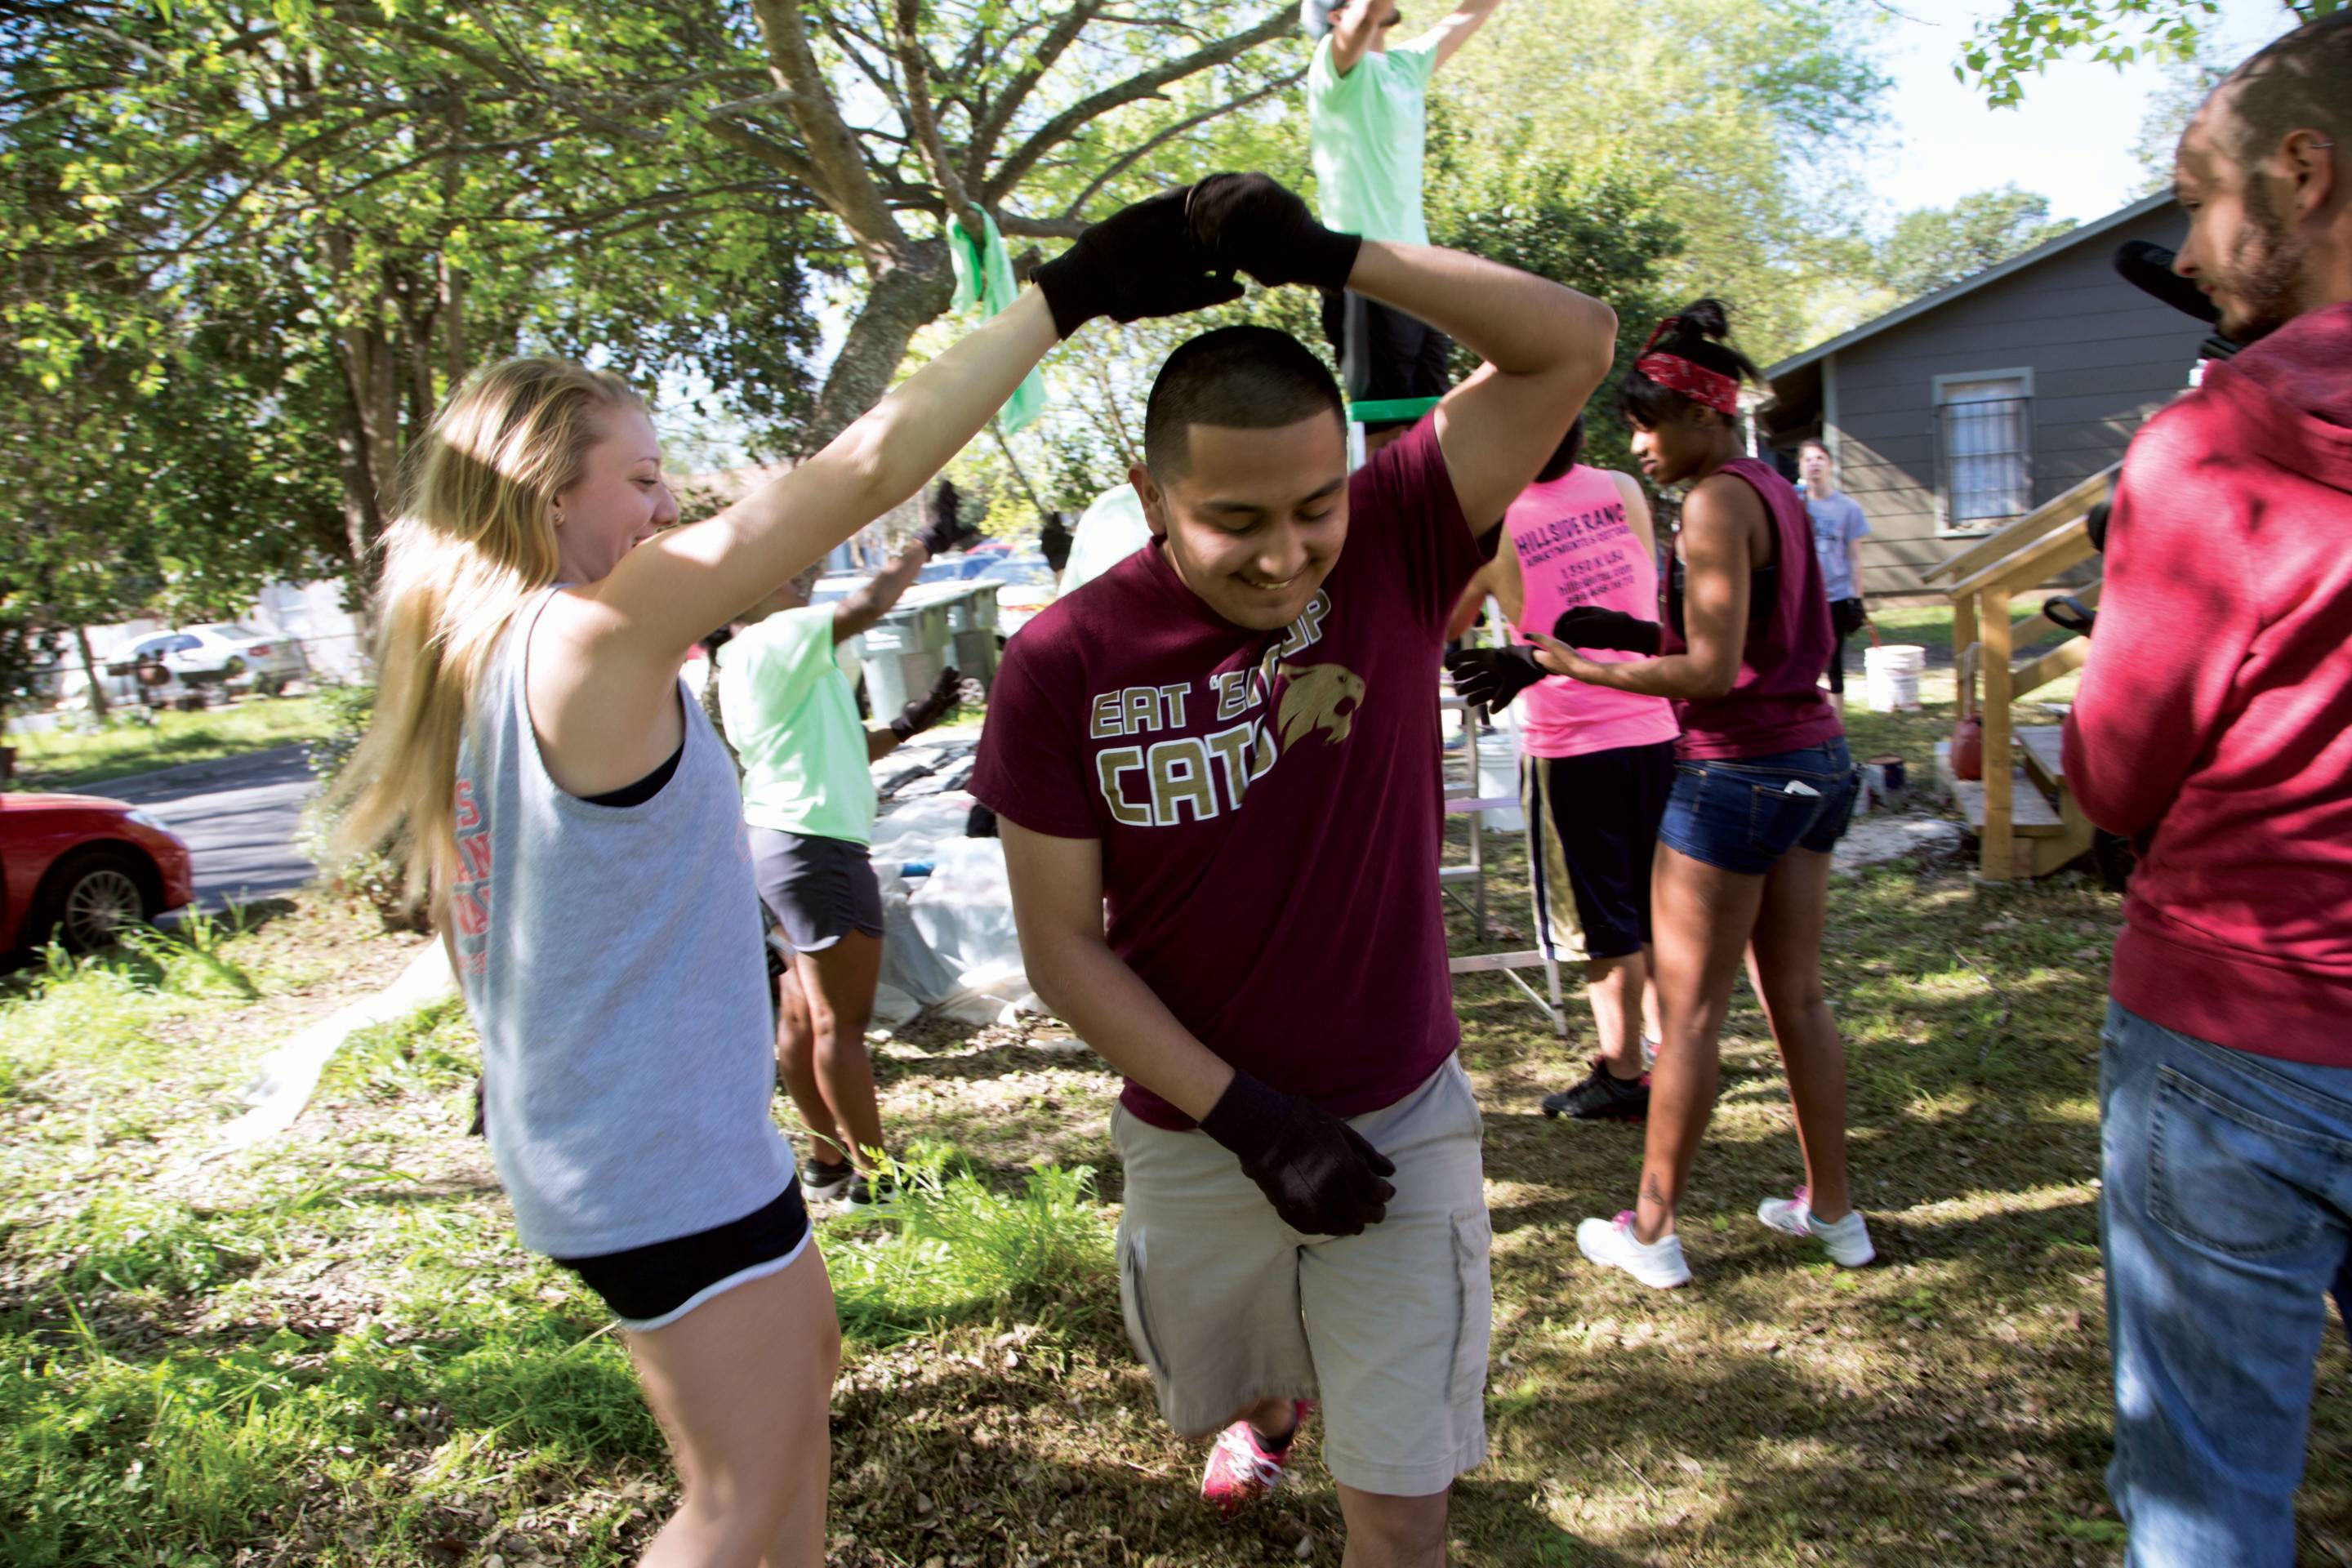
(1228, 1306)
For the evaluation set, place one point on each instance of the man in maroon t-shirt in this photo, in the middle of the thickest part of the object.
(1231, 742)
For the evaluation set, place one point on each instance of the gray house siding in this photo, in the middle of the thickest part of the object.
(2101, 357)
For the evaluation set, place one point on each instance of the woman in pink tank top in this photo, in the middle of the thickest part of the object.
(1596, 765)
(1761, 792)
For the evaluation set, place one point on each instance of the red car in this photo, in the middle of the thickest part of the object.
(81, 866)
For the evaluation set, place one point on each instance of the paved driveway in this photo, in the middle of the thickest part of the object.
(239, 816)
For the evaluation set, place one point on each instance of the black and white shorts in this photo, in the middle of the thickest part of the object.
(819, 889)
(653, 1286)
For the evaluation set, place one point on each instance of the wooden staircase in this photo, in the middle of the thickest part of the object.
(2027, 821)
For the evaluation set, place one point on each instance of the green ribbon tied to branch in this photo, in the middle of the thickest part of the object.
(984, 278)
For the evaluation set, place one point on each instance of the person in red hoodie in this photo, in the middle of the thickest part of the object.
(2215, 729)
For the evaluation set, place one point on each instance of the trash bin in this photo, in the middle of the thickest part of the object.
(905, 652)
(971, 623)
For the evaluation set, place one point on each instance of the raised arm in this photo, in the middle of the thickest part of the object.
(1353, 30)
(871, 600)
(1546, 347)
(1455, 30)
(604, 703)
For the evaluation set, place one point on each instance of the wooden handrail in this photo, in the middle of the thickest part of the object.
(2068, 544)
(2007, 541)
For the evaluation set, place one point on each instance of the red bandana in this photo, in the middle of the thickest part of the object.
(1707, 388)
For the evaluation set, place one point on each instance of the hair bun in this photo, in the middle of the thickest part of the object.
(1706, 318)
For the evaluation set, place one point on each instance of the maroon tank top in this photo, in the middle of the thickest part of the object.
(1776, 704)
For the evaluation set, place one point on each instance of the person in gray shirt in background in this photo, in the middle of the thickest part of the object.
(1839, 529)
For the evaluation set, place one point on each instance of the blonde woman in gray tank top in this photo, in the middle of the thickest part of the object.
(575, 824)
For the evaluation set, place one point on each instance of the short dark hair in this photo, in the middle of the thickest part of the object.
(1241, 378)
(1572, 448)
(1698, 335)
(2299, 82)
(1817, 442)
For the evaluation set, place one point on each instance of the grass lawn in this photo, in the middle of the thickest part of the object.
(330, 1351)
(64, 759)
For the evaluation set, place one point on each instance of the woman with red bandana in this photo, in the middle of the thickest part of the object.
(1763, 785)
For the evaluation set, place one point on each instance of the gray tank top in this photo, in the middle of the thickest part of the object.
(611, 957)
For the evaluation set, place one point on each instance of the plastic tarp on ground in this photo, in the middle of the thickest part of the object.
(948, 941)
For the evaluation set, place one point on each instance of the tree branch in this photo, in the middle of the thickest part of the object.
(990, 131)
(925, 131)
(1127, 160)
(1065, 125)
(838, 171)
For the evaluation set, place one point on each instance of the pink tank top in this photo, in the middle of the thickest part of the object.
(1576, 548)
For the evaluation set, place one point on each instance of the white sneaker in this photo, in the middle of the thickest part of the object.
(1848, 1241)
(1611, 1244)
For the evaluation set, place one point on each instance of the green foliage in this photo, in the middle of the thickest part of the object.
(2030, 34)
(1602, 231)
(82, 752)
(955, 1250)
(1933, 246)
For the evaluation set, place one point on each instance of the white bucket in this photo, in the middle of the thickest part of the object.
(1892, 676)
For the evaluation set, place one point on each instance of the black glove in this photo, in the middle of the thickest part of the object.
(1139, 261)
(1319, 1173)
(924, 711)
(944, 530)
(1491, 677)
(1590, 625)
(1262, 228)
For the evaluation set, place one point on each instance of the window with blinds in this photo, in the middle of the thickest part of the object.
(1984, 442)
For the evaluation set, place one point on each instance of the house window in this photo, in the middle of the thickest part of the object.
(1984, 435)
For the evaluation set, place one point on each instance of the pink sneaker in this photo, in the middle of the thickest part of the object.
(1242, 1469)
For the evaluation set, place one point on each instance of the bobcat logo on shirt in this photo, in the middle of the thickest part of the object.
(1320, 697)
(1163, 783)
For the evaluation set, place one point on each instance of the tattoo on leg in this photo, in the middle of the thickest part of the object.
(1651, 1190)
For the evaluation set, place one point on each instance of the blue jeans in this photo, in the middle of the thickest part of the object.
(1743, 814)
(2225, 1216)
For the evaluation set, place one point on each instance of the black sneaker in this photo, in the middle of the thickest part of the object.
(823, 1183)
(875, 1192)
(1603, 1097)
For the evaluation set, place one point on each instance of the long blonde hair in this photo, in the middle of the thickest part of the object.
(474, 538)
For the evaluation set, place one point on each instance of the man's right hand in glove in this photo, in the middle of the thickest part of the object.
(1491, 677)
(1590, 625)
(1265, 229)
(926, 710)
(1142, 260)
(1319, 1173)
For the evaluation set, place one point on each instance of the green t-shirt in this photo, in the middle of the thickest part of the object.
(1366, 128)
(792, 716)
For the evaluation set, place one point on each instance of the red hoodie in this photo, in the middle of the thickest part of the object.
(2215, 721)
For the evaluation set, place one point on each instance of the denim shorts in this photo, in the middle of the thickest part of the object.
(1742, 814)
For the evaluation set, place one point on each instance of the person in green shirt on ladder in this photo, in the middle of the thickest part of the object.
(1367, 105)
(808, 798)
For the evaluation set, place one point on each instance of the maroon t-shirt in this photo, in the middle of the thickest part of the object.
(1268, 802)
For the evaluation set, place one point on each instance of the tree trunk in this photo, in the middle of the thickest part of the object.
(905, 297)
(97, 703)
(369, 444)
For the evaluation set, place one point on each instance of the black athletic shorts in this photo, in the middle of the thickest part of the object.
(651, 1286)
(819, 889)
(1592, 830)
(1384, 354)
